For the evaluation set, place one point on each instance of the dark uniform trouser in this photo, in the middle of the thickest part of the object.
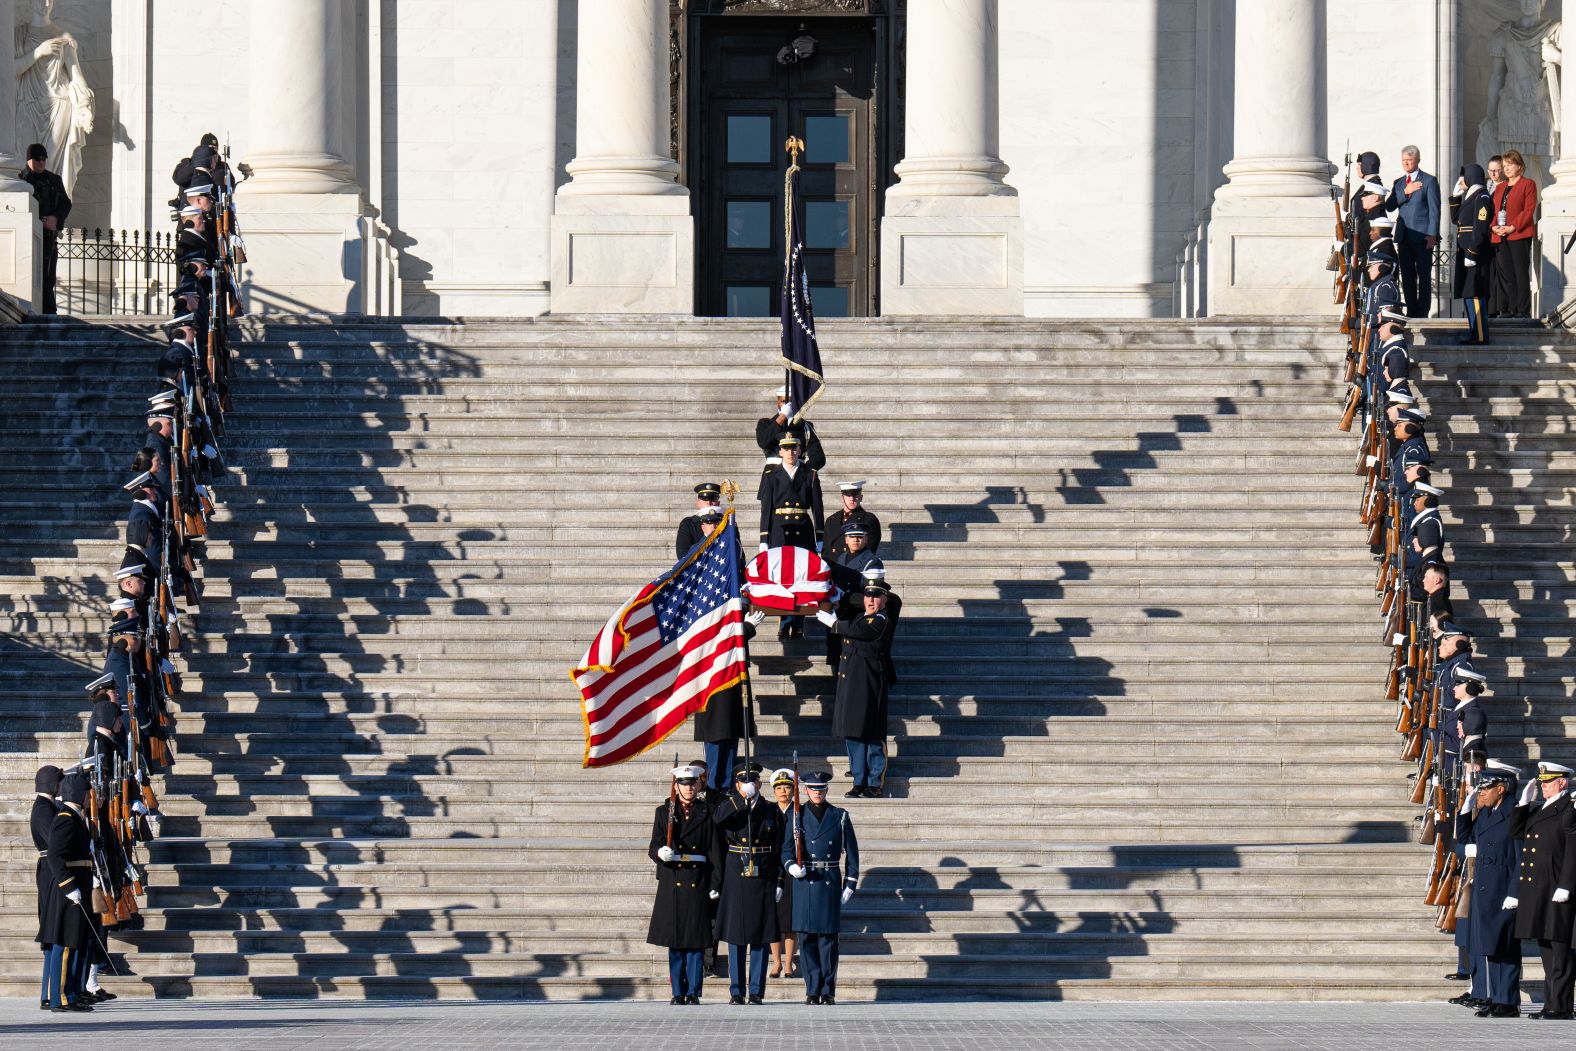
(736, 970)
(49, 267)
(819, 955)
(1504, 980)
(685, 971)
(1559, 970)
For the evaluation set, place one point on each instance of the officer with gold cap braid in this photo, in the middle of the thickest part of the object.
(1546, 825)
(791, 514)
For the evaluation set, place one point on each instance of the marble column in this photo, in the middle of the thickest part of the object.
(20, 236)
(301, 208)
(952, 235)
(623, 240)
(1270, 225)
(1558, 221)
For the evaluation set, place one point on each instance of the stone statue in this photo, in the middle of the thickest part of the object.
(54, 105)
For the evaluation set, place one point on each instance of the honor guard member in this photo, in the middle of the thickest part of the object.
(860, 717)
(681, 846)
(1368, 200)
(848, 574)
(722, 722)
(768, 429)
(1486, 828)
(791, 511)
(822, 884)
(1469, 719)
(1471, 210)
(196, 235)
(1395, 349)
(46, 782)
(1425, 532)
(1546, 826)
(851, 513)
(707, 495)
(1384, 293)
(1411, 449)
(67, 927)
(744, 880)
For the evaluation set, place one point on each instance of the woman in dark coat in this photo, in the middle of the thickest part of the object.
(681, 914)
(45, 784)
(66, 926)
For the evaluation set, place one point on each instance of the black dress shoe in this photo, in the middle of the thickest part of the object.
(873, 793)
(812, 999)
(1499, 1011)
(1464, 1000)
(856, 792)
(692, 1000)
(828, 1001)
(43, 1005)
(103, 996)
(1457, 976)
(677, 1001)
(757, 999)
(736, 999)
(1545, 1015)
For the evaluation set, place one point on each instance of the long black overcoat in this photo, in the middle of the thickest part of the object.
(681, 915)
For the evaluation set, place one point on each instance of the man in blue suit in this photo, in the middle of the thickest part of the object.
(1415, 196)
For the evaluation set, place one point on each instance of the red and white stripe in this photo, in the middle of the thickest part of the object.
(636, 691)
(785, 578)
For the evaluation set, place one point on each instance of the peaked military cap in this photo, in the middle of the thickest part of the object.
(852, 487)
(1548, 771)
(817, 782)
(752, 772)
(100, 684)
(710, 514)
(787, 440)
(854, 529)
(708, 490)
(686, 775)
(1495, 772)
(782, 776)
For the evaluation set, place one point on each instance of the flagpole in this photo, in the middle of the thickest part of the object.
(794, 146)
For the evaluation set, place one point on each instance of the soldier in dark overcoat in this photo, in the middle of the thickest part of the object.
(1487, 832)
(860, 716)
(1471, 211)
(791, 513)
(822, 885)
(1546, 825)
(744, 877)
(849, 565)
(66, 926)
(45, 784)
(681, 848)
(771, 427)
(707, 495)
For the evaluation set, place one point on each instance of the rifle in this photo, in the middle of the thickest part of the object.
(1353, 400)
(798, 823)
(673, 788)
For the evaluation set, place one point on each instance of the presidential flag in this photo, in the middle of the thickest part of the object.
(659, 659)
(800, 354)
(785, 578)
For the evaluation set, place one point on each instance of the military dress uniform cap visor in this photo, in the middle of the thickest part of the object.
(131, 571)
(1470, 675)
(710, 514)
(780, 392)
(816, 782)
(163, 399)
(875, 587)
(191, 210)
(1429, 490)
(204, 189)
(120, 605)
(748, 773)
(1413, 415)
(124, 625)
(874, 573)
(851, 487)
(787, 441)
(1492, 776)
(1400, 398)
(1449, 628)
(1548, 771)
(782, 776)
(103, 682)
(855, 530)
(180, 321)
(1391, 316)
(686, 775)
(708, 490)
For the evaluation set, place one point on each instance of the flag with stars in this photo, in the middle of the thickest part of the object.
(662, 655)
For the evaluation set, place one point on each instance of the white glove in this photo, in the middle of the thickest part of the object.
(74, 895)
(1529, 792)
(1509, 903)
(714, 895)
(1469, 261)
(1471, 850)
(826, 617)
(786, 411)
(763, 549)
(796, 871)
(1561, 896)
(757, 617)
(779, 894)
(665, 853)
(848, 892)
(96, 884)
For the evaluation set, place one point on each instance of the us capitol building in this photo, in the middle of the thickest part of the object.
(1065, 158)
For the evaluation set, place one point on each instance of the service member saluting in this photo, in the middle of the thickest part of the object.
(862, 684)
(681, 846)
(1545, 824)
(1486, 831)
(812, 853)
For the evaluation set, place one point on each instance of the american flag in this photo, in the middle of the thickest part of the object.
(659, 659)
(784, 578)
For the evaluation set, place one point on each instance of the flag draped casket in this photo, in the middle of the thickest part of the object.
(658, 659)
(785, 580)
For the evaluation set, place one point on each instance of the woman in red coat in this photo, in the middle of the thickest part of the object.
(1515, 204)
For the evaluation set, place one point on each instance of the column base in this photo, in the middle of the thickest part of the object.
(623, 254)
(21, 242)
(303, 253)
(1556, 270)
(952, 256)
(1267, 256)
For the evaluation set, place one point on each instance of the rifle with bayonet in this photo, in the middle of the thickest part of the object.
(798, 821)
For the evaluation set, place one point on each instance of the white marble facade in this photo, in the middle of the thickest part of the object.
(459, 144)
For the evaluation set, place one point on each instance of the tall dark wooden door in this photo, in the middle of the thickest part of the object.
(746, 102)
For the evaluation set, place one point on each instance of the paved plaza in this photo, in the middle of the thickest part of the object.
(333, 1026)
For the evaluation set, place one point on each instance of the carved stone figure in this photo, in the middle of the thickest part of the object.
(54, 105)
(1524, 92)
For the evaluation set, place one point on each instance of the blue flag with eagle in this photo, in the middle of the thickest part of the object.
(801, 355)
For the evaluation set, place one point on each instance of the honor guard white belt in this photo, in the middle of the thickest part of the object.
(822, 865)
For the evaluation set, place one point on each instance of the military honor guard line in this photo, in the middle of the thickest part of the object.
(1503, 838)
(90, 819)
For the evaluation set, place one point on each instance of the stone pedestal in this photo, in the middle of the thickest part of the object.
(304, 253)
(952, 235)
(623, 240)
(1272, 223)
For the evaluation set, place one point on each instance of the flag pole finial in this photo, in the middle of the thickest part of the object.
(794, 146)
(730, 489)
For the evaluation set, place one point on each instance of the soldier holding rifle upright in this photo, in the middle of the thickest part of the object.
(822, 856)
(1486, 829)
(681, 848)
